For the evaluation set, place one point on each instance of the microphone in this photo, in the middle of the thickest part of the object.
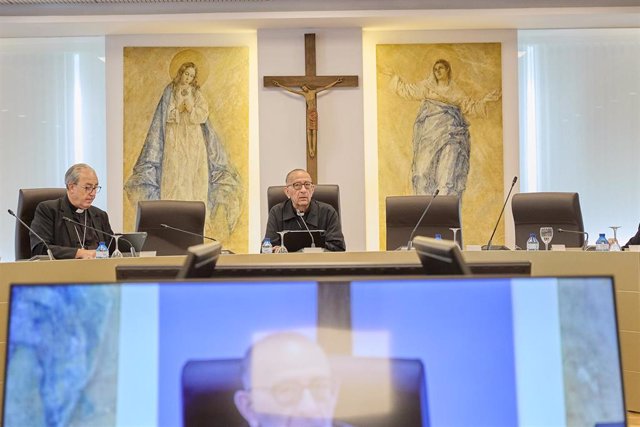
(301, 215)
(113, 236)
(187, 232)
(488, 245)
(51, 258)
(224, 251)
(424, 212)
(586, 236)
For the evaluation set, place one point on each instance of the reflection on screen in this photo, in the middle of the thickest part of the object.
(445, 352)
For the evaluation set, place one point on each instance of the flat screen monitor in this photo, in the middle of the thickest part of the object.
(440, 256)
(201, 261)
(296, 240)
(397, 352)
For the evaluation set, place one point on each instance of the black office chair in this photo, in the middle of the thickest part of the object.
(374, 392)
(403, 213)
(185, 215)
(558, 210)
(327, 193)
(28, 200)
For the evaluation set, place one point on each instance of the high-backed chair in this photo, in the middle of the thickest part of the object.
(403, 213)
(327, 193)
(185, 215)
(558, 210)
(394, 388)
(28, 199)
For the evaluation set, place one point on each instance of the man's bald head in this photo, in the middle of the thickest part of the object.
(287, 381)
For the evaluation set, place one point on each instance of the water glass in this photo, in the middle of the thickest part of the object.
(546, 234)
(455, 233)
(282, 249)
(614, 246)
(116, 252)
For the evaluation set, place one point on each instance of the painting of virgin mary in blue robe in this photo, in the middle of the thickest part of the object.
(183, 156)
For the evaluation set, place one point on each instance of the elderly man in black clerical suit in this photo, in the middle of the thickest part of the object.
(299, 207)
(66, 239)
(635, 240)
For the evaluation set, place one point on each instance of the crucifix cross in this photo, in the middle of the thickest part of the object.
(310, 85)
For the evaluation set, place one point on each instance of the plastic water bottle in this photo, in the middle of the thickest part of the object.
(102, 252)
(267, 247)
(438, 236)
(602, 244)
(532, 243)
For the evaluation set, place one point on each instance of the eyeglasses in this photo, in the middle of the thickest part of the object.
(289, 393)
(91, 188)
(298, 185)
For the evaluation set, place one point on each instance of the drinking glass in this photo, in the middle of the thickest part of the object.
(615, 246)
(455, 233)
(116, 252)
(546, 234)
(282, 249)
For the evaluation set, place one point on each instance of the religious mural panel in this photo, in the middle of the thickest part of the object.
(440, 127)
(186, 133)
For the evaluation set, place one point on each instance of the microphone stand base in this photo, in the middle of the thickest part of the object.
(495, 248)
(312, 250)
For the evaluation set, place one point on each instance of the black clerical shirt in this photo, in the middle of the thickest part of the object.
(319, 216)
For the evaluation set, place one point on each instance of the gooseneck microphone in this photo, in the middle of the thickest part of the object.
(301, 215)
(586, 236)
(488, 245)
(49, 253)
(424, 212)
(187, 232)
(113, 236)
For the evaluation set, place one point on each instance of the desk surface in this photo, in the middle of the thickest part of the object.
(623, 266)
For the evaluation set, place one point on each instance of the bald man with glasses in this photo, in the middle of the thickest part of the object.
(66, 239)
(288, 382)
(299, 207)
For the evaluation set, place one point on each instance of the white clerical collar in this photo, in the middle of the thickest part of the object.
(79, 210)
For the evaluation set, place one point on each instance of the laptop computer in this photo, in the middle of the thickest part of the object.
(129, 240)
(296, 240)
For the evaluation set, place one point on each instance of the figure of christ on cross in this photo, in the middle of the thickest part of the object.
(310, 85)
(310, 95)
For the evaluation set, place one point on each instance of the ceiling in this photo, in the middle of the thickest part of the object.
(84, 7)
(36, 18)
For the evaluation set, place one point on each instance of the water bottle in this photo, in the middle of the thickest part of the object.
(602, 244)
(438, 236)
(532, 243)
(102, 252)
(267, 247)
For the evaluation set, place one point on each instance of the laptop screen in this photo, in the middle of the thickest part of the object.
(296, 240)
(133, 240)
(411, 352)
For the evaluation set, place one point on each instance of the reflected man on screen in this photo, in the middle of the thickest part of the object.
(300, 208)
(66, 239)
(287, 381)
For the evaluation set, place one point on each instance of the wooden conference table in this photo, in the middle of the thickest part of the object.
(623, 266)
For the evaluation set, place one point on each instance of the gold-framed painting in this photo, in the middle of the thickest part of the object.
(186, 133)
(440, 127)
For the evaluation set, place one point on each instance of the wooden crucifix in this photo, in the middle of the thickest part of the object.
(310, 85)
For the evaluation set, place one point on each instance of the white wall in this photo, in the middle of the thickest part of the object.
(346, 115)
(340, 120)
